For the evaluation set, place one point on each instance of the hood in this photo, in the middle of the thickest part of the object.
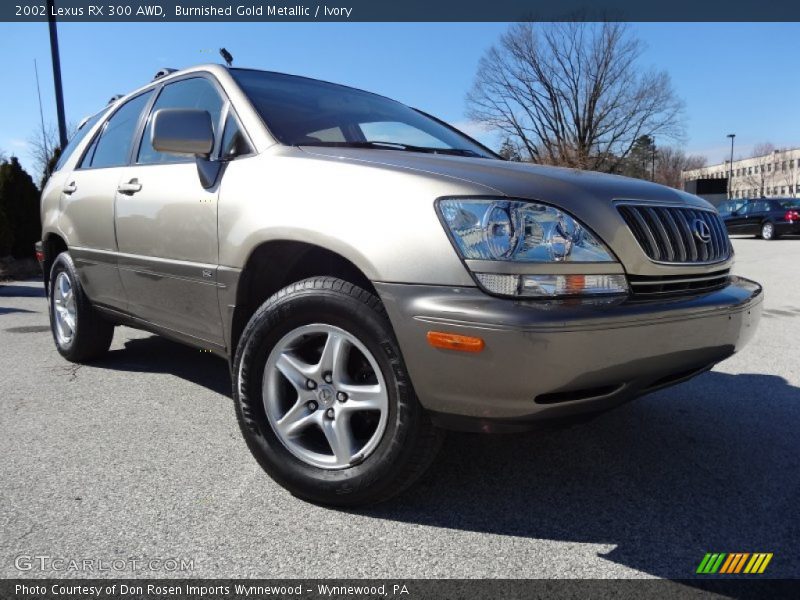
(588, 196)
(554, 185)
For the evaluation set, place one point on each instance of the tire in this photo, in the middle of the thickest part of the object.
(309, 317)
(89, 335)
(768, 231)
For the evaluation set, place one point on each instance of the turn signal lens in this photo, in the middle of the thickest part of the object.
(452, 341)
(553, 286)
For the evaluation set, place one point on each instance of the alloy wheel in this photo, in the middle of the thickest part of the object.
(66, 314)
(325, 396)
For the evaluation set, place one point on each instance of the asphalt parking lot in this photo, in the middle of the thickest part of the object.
(140, 456)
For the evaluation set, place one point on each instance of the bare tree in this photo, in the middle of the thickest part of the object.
(670, 162)
(757, 174)
(42, 145)
(572, 93)
(787, 172)
(45, 148)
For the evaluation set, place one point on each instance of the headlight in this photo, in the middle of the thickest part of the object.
(527, 232)
(519, 231)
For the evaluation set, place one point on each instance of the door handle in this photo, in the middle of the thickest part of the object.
(131, 187)
(70, 188)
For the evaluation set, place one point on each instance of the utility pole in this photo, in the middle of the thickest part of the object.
(653, 168)
(730, 168)
(62, 122)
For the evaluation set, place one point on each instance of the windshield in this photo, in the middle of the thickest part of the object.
(306, 112)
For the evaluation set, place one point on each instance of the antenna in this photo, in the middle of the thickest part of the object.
(226, 56)
(41, 112)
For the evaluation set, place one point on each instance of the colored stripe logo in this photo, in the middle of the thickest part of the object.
(734, 563)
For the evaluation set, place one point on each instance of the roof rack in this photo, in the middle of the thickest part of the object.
(114, 98)
(163, 73)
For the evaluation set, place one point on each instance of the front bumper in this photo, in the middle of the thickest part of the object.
(558, 359)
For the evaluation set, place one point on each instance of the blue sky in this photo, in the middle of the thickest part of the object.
(742, 78)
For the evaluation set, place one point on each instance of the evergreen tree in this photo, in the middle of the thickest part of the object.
(639, 162)
(509, 150)
(19, 202)
(6, 235)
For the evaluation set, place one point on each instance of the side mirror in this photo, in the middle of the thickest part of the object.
(182, 131)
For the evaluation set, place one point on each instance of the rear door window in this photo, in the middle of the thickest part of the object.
(112, 147)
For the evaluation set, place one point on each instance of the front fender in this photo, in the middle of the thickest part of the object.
(382, 220)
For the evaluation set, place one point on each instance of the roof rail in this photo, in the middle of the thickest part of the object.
(114, 98)
(163, 73)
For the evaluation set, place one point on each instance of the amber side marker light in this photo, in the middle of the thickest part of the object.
(452, 341)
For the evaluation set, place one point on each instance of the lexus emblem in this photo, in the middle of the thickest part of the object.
(701, 230)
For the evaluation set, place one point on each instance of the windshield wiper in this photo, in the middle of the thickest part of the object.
(379, 145)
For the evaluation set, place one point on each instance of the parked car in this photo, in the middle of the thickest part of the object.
(373, 275)
(768, 218)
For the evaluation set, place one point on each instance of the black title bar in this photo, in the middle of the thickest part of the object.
(403, 10)
(394, 589)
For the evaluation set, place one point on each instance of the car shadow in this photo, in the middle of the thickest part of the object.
(22, 291)
(5, 310)
(156, 354)
(711, 465)
(707, 466)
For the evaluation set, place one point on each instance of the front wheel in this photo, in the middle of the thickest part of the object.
(768, 231)
(323, 397)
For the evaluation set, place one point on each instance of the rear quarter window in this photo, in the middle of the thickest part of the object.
(77, 138)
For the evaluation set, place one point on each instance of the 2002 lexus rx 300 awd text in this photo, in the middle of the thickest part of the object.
(374, 275)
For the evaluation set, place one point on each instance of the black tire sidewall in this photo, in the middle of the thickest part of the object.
(277, 318)
(63, 263)
(93, 334)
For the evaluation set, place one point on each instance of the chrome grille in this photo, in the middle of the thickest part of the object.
(645, 286)
(669, 234)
